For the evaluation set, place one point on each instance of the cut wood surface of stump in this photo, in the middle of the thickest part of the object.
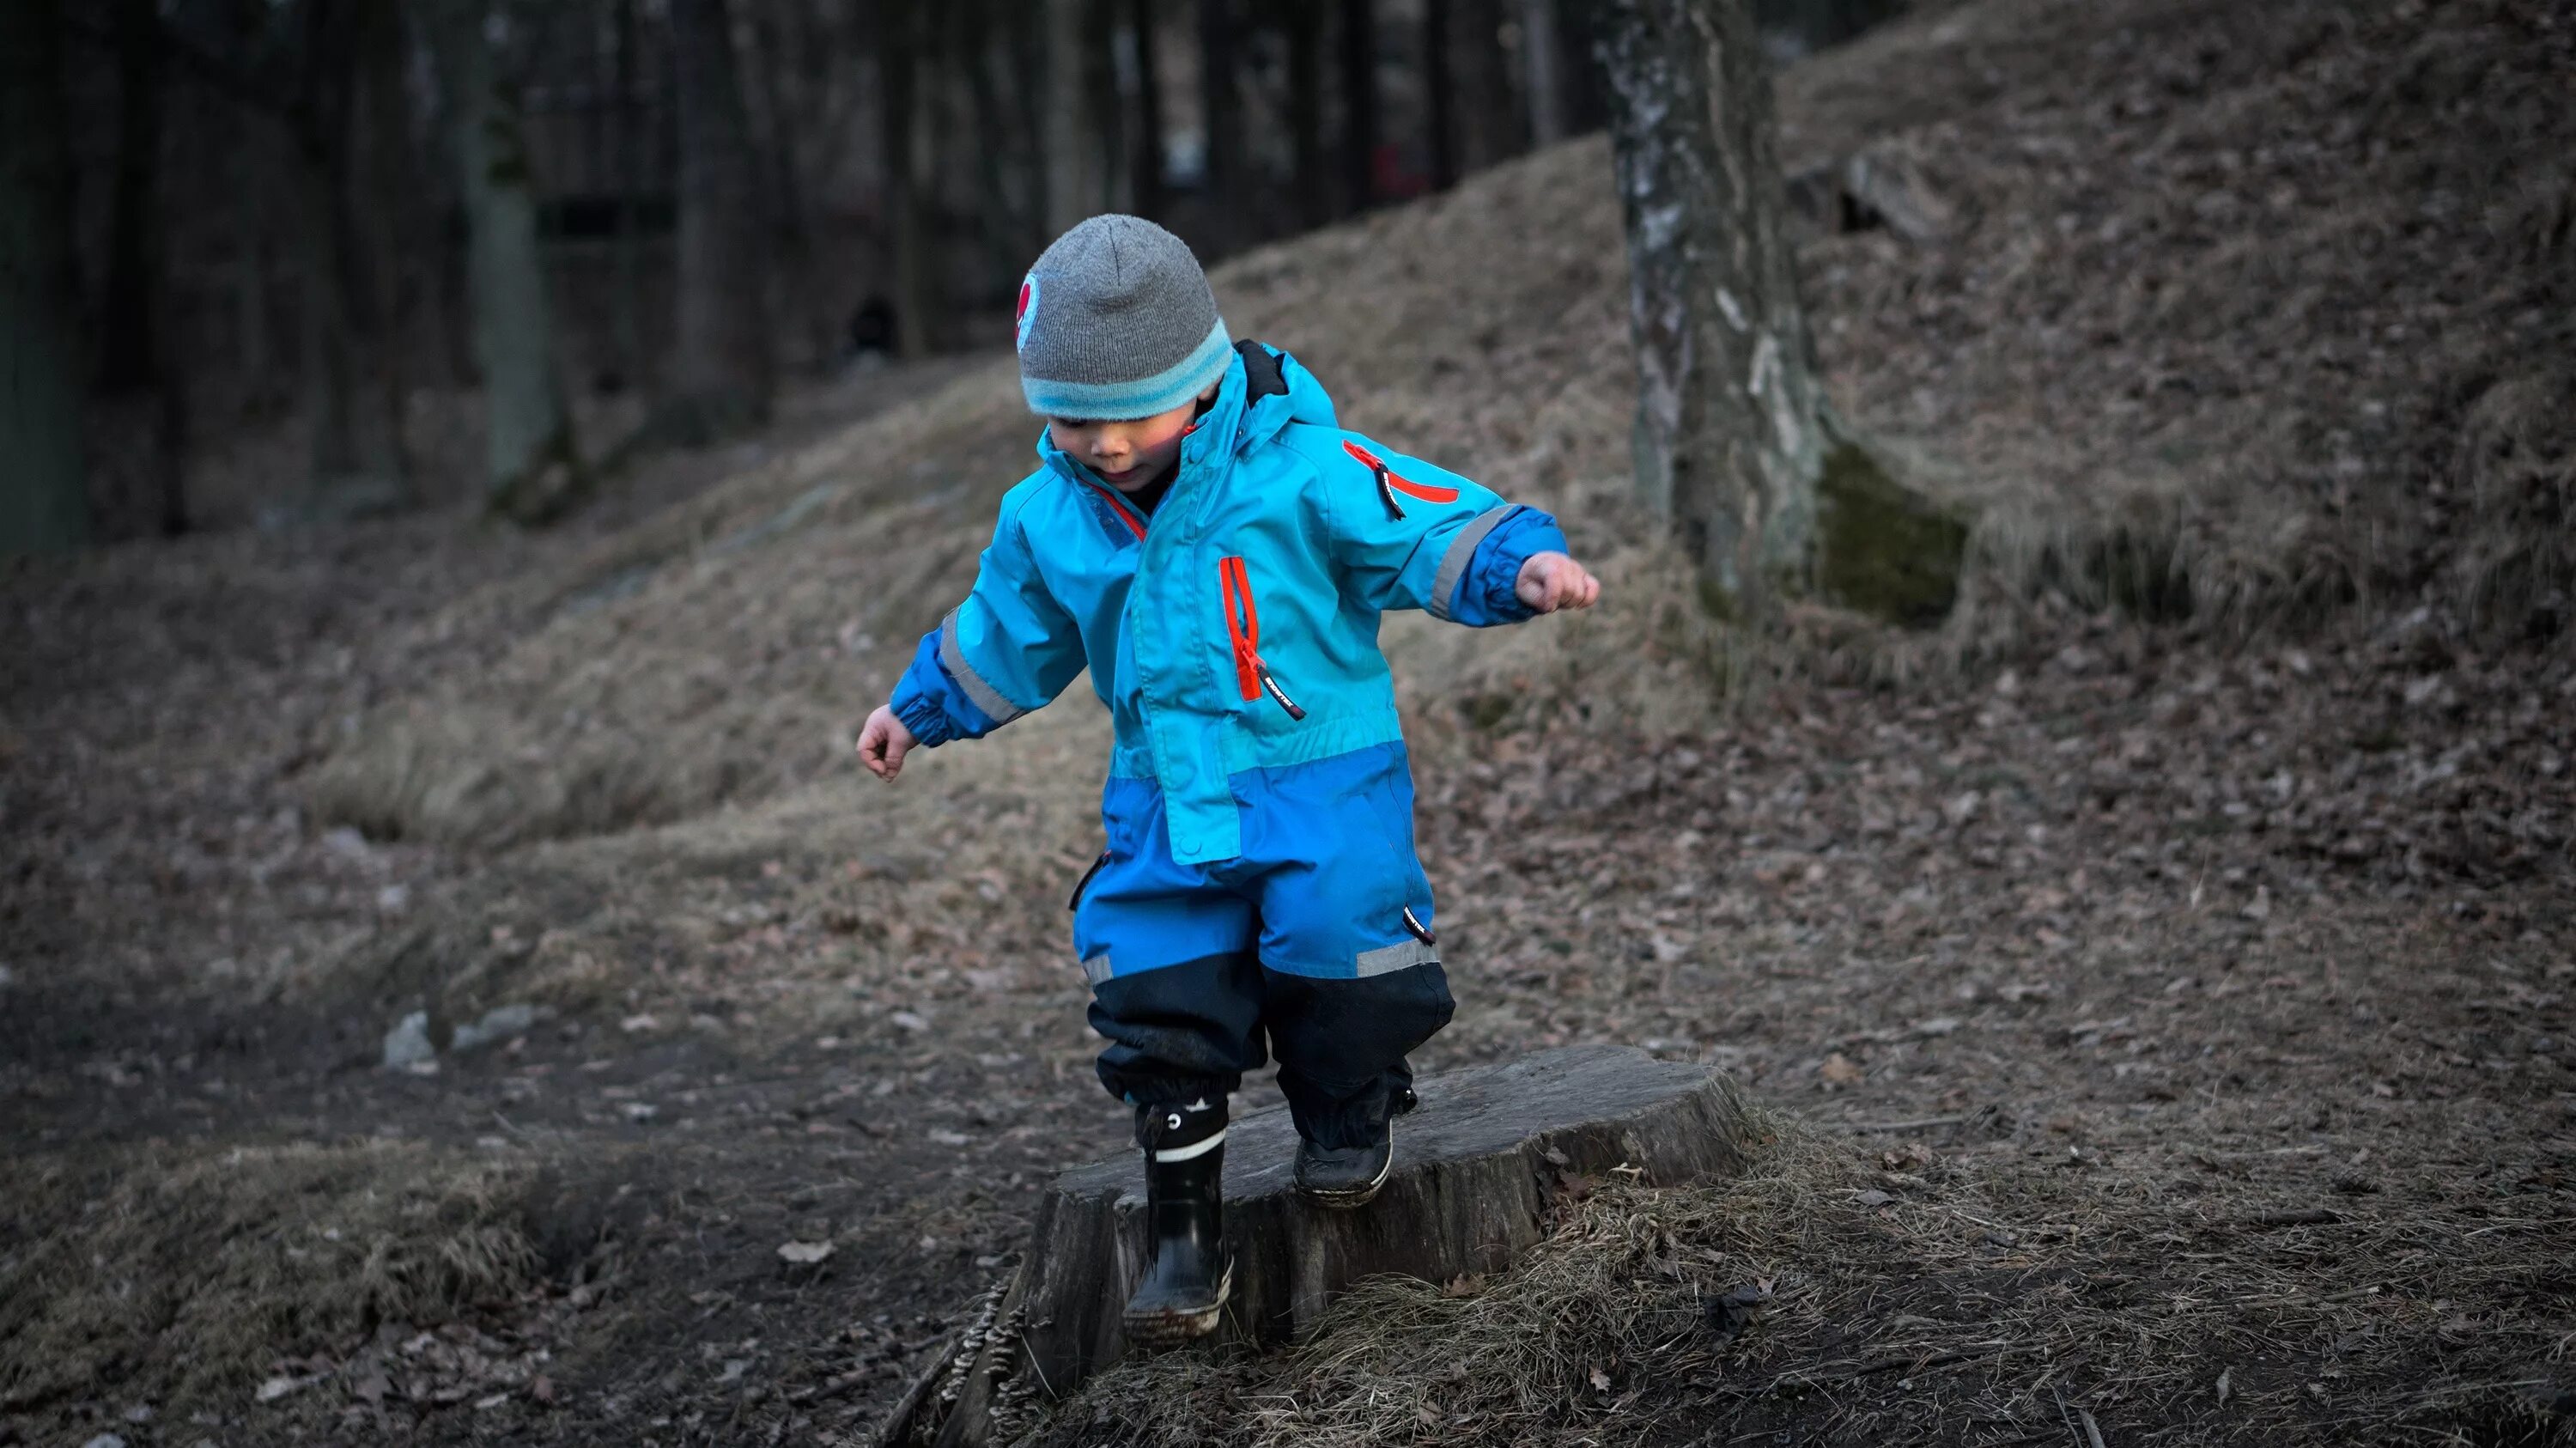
(1477, 1168)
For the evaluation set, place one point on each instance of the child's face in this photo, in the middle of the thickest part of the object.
(1130, 453)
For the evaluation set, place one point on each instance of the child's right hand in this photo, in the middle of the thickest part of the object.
(883, 742)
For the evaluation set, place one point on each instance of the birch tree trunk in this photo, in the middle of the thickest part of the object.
(1736, 444)
(44, 500)
(532, 469)
(721, 372)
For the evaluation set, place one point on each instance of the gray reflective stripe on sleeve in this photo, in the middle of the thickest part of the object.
(1453, 564)
(1402, 955)
(986, 697)
(1096, 969)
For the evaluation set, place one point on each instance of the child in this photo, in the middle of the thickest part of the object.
(1218, 551)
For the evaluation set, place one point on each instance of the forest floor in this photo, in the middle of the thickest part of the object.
(2168, 1011)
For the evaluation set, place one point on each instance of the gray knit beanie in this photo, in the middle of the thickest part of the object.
(1116, 321)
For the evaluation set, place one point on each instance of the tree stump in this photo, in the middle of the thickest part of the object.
(1477, 1168)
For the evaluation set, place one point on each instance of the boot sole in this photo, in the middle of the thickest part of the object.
(1166, 1326)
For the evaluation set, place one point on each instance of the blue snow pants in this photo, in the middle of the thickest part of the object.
(1314, 943)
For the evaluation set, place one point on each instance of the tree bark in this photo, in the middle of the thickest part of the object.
(1359, 103)
(44, 500)
(1736, 444)
(1477, 1171)
(533, 470)
(721, 368)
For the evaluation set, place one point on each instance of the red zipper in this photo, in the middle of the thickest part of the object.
(1134, 524)
(1388, 484)
(1243, 623)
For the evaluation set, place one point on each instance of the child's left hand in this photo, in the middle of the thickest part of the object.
(1550, 581)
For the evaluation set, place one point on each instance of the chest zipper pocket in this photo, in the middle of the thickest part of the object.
(1243, 625)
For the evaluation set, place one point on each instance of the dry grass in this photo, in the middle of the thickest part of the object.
(1906, 1298)
(217, 1270)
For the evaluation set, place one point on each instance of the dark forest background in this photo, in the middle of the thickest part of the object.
(261, 224)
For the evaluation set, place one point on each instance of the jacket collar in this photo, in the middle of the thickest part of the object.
(1227, 428)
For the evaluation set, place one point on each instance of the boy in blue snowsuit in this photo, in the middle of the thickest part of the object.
(1216, 549)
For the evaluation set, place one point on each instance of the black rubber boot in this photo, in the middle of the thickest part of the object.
(1344, 1177)
(1185, 1288)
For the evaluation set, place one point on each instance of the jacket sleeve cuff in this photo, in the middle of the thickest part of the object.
(931, 705)
(1485, 593)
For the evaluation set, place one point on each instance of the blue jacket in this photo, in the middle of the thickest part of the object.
(1236, 629)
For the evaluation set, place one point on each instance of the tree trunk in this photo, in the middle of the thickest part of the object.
(1008, 230)
(134, 375)
(899, 52)
(1490, 126)
(1223, 160)
(44, 499)
(786, 218)
(1439, 87)
(351, 403)
(532, 468)
(1072, 128)
(1148, 163)
(721, 372)
(1305, 24)
(628, 143)
(1359, 103)
(1736, 445)
(1541, 60)
(1478, 1169)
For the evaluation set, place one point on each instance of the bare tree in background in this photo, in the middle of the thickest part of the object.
(352, 395)
(1359, 103)
(1490, 127)
(1439, 86)
(720, 371)
(1071, 164)
(1304, 23)
(1736, 444)
(901, 44)
(1144, 20)
(135, 378)
(1541, 59)
(1221, 111)
(44, 502)
(532, 469)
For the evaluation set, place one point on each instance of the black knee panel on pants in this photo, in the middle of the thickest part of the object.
(1184, 1030)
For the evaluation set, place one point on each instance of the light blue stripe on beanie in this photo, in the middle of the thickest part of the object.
(1116, 321)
